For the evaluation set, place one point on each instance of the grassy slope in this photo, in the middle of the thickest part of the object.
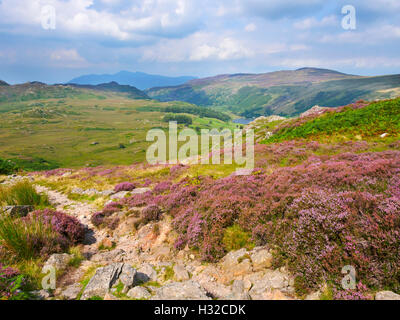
(368, 122)
(49, 133)
(282, 93)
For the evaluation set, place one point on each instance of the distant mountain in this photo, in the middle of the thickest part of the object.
(139, 80)
(133, 92)
(3, 83)
(38, 90)
(284, 93)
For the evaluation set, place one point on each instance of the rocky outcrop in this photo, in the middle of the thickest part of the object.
(106, 277)
(387, 295)
(188, 290)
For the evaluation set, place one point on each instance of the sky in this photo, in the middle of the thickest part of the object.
(54, 41)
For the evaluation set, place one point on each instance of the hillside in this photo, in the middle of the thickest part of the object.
(285, 93)
(324, 196)
(137, 79)
(37, 90)
(45, 127)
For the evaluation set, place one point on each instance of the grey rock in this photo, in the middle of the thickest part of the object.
(239, 291)
(127, 277)
(145, 274)
(188, 290)
(116, 255)
(271, 281)
(261, 259)
(18, 211)
(119, 195)
(232, 258)
(140, 190)
(107, 193)
(59, 261)
(181, 274)
(387, 295)
(102, 281)
(215, 289)
(71, 292)
(139, 293)
(41, 294)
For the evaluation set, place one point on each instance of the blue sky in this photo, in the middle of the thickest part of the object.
(199, 38)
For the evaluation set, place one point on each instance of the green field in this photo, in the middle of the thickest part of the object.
(74, 132)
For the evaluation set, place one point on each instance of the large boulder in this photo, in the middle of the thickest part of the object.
(145, 274)
(387, 295)
(106, 277)
(188, 290)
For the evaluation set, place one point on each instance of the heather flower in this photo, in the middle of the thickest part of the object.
(124, 186)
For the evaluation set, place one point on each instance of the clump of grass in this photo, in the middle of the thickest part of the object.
(77, 257)
(22, 193)
(235, 238)
(25, 239)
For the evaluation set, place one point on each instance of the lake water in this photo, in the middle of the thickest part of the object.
(242, 121)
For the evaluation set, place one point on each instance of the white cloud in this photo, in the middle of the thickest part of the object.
(250, 27)
(67, 57)
(312, 22)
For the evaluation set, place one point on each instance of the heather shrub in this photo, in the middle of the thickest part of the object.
(22, 193)
(67, 227)
(350, 216)
(100, 218)
(124, 186)
(12, 284)
(151, 213)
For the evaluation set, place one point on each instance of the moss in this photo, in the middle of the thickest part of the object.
(236, 238)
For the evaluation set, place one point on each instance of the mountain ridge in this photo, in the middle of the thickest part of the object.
(139, 80)
(286, 92)
(38, 90)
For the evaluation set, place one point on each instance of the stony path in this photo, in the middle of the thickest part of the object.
(80, 210)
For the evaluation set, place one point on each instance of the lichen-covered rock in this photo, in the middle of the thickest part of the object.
(261, 259)
(127, 277)
(102, 281)
(181, 274)
(145, 274)
(106, 277)
(268, 286)
(71, 292)
(18, 211)
(188, 290)
(139, 293)
(387, 295)
(58, 261)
